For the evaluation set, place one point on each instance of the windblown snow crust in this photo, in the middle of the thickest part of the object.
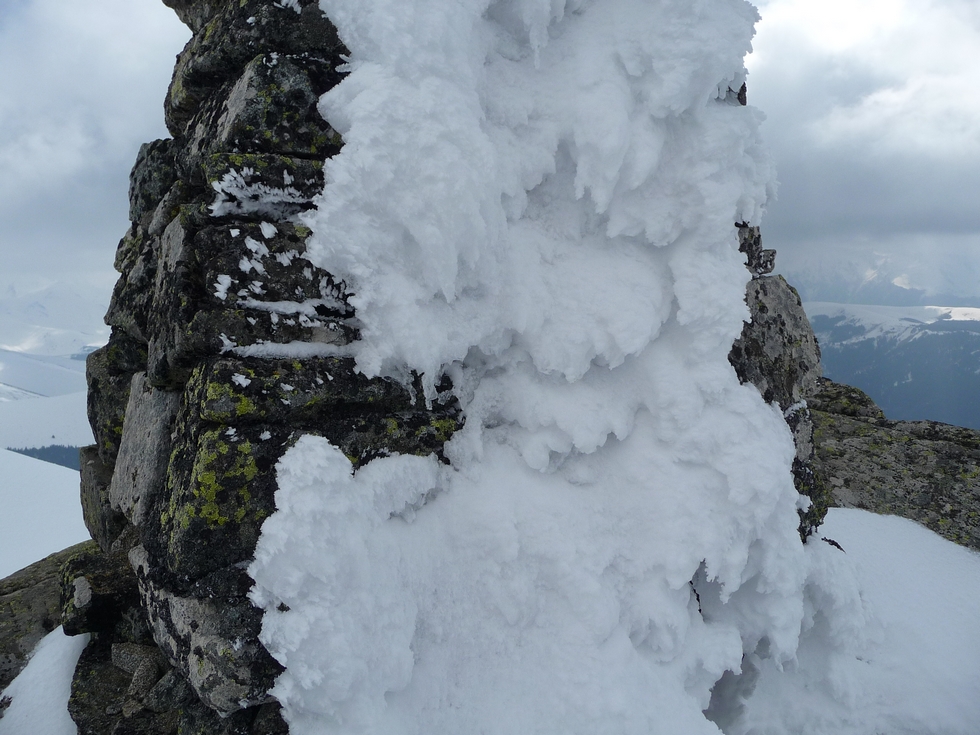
(537, 197)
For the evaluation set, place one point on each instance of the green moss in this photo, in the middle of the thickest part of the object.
(210, 28)
(444, 428)
(971, 474)
(207, 491)
(177, 93)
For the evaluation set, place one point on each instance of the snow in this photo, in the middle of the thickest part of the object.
(40, 693)
(38, 422)
(52, 319)
(41, 375)
(221, 286)
(538, 198)
(294, 350)
(45, 331)
(41, 511)
(237, 194)
(920, 668)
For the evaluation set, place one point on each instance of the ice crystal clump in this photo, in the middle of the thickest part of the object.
(538, 198)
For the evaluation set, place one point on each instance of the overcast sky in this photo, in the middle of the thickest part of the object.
(82, 84)
(874, 121)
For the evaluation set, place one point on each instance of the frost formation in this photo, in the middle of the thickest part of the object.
(537, 198)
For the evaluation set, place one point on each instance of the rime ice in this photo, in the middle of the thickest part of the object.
(538, 198)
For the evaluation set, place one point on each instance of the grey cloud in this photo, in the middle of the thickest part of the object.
(81, 86)
(849, 206)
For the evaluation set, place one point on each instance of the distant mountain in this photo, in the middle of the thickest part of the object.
(916, 362)
(23, 375)
(45, 335)
(56, 319)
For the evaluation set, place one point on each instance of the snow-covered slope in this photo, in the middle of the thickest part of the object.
(919, 362)
(39, 422)
(39, 695)
(53, 319)
(40, 512)
(40, 375)
(45, 334)
(922, 674)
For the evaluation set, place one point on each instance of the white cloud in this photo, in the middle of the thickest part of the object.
(81, 86)
(834, 26)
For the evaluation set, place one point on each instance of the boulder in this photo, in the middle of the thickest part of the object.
(104, 523)
(211, 640)
(778, 353)
(30, 608)
(99, 594)
(109, 371)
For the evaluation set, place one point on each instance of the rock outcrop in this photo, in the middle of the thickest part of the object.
(923, 470)
(778, 353)
(30, 608)
(227, 344)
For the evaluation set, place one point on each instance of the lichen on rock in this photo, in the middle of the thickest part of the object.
(923, 470)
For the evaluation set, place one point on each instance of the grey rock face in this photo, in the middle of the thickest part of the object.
(98, 593)
(759, 261)
(103, 523)
(270, 109)
(213, 644)
(109, 371)
(144, 451)
(778, 353)
(189, 410)
(152, 176)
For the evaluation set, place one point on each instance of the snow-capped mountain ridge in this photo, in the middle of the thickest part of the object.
(895, 322)
(916, 362)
